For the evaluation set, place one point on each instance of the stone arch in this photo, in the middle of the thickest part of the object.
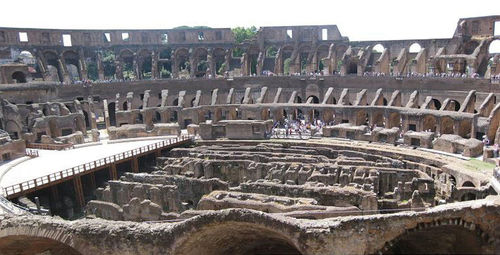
(201, 65)
(219, 59)
(446, 236)
(144, 63)
(468, 184)
(19, 77)
(26, 244)
(182, 60)
(436, 104)
(127, 59)
(237, 233)
(312, 90)
(72, 61)
(446, 125)
(429, 123)
(322, 53)
(414, 48)
(378, 48)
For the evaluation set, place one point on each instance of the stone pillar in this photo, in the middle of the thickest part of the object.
(135, 64)
(82, 65)
(79, 197)
(106, 113)
(100, 67)
(154, 65)
(211, 63)
(175, 66)
(63, 69)
(193, 63)
(227, 60)
(42, 63)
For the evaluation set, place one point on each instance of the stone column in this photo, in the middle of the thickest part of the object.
(82, 65)
(138, 75)
(100, 67)
(63, 69)
(42, 63)
(211, 62)
(106, 113)
(175, 65)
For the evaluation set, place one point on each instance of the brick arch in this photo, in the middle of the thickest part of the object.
(34, 240)
(236, 232)
(438, 227)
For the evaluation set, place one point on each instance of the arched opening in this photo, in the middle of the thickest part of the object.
(24, 245)
(468, 184)
(236, 238)
(494, 47)
(436, 104)
(127, 61)
(112, 113)
(378, 48)
(219, 57)
(313, 99)
(448, 239)
(145, 64)
(353, 68)
(19, 77)
(165, 63)
(125, 106)
(415, 48)
(53, 67)
(72, 61)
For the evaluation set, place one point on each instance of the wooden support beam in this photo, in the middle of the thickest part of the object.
(135, 164)
(80, 199)
(113, 174)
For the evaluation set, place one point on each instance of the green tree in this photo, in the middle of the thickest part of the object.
(242, 33)
(286, 65)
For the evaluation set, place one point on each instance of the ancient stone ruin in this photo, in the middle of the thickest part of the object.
(298, 141)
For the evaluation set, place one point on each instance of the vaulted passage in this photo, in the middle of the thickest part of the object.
(439, 240)
(27, 245)
(236, 238)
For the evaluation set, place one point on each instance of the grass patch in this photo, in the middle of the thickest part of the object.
(478, 165)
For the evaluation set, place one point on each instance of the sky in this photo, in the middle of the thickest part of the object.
(357, 19)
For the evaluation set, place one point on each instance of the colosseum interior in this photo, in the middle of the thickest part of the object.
(297, 141)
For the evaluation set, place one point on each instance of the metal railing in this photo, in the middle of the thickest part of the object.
(43, 146)
(12, 208)
(67, 173)
(32, 153)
